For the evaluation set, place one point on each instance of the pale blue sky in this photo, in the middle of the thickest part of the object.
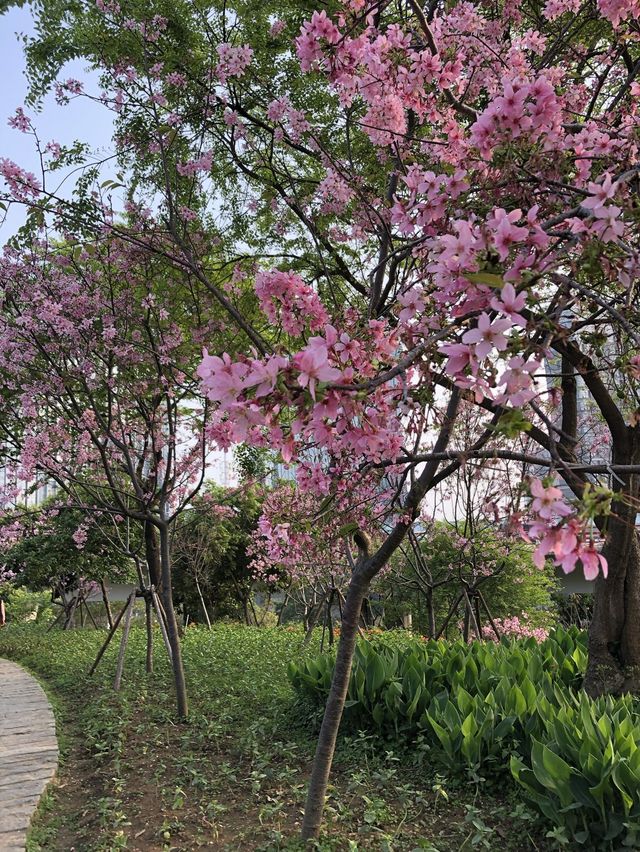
(81, 119)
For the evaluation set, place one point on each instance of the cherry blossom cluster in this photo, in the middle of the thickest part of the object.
(501, 170)
(232, 61)
(119, 346)
(6, 576)
(288, 301)
(308, 548)
(560, 532)
(513, 627)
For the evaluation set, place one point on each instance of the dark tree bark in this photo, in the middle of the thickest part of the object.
(431, 614)
(614, 632)
(172, 624)
(152, 554)
(335, 702)
(245, 612)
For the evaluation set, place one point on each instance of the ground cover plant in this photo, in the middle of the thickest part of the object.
(234, 777)
(492, 711)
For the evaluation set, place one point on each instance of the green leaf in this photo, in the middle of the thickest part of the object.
(469, 727)
(488, 278)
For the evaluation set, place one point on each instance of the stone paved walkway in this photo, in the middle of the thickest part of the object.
(28, 752)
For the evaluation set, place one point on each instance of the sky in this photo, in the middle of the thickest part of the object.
(81, 119)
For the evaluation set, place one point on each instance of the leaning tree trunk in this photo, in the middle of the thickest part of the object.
(172, 624)
(614, 632)
(367, 566)
(325, 748)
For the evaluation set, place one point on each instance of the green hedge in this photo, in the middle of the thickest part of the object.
(508, 709)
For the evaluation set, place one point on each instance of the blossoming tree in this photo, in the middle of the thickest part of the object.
(99, 391)
(442, 200)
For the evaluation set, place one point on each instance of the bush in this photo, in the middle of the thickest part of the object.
(24, 605)
(510, 709)
(583, 771)
(394, 685)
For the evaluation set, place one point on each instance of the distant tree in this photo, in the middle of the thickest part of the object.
(99, 348)
(60, 542)
(450, 583)
(213, 574)
(254, 463)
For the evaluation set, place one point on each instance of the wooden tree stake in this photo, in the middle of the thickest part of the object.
(123, 642)
(106, 642)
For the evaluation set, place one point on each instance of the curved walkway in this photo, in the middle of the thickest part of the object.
(28, 752)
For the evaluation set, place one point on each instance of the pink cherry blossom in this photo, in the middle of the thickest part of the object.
(412, 303)
(488, 335)
(518, 381)
(223, 379)
(548, 502)
(600, 194)
(233, 61)
(314, 367)
(506, 233)
(510, 304)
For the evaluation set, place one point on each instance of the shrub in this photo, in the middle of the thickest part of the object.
(25, 605)
(583, 771)
(506, 709)
(393, 687)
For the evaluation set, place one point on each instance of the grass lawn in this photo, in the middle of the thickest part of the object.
(234, 777)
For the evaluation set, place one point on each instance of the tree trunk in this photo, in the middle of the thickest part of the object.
(152, 554)
(431, 615)
(245, 610)
(614, 632)
(172, 624)
(282, 608)
(3, 614)
(366, 568)
(325, 748)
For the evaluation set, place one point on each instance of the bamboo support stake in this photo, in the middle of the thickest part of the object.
(160, 617)
(490, 617)
(107, 606)
(90, 614)
(123, 642)
(106, 642)
(471, 615)
(56, 620)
